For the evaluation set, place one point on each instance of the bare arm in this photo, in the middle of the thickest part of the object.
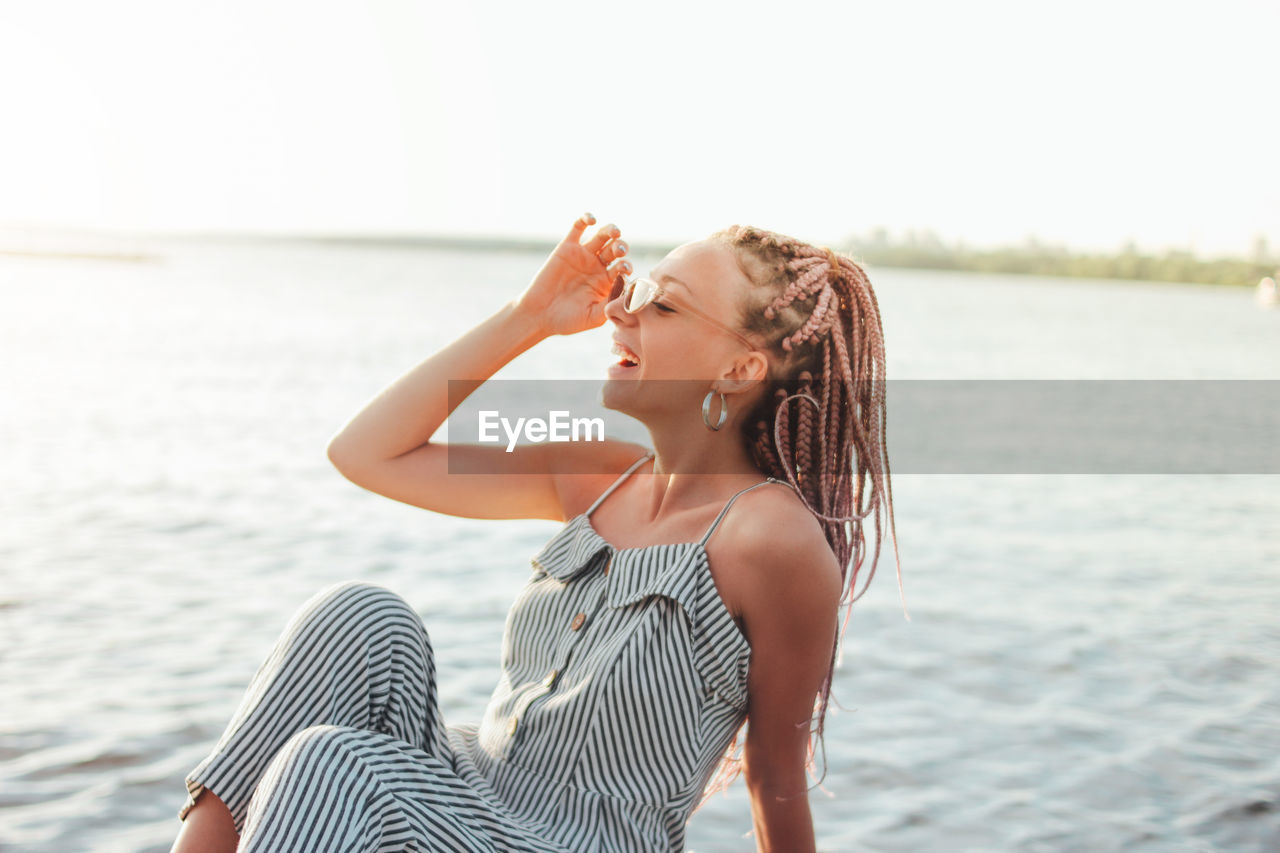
(387, 446)
(790, 598)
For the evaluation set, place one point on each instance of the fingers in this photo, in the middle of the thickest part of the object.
(604, 235)
(579, 225)
(595, 315)
(617, 272)
(606, 244)
(612, 250)
(620, 267)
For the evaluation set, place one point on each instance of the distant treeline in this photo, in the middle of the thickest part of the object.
(921, 249)
(925, 250)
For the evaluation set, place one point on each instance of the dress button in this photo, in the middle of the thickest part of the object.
(608, 565)
(513, 725)
(551, 678)
(577, 621)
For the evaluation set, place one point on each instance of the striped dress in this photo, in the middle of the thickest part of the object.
(623, 682)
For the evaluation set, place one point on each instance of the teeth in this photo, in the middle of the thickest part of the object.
(627, 355)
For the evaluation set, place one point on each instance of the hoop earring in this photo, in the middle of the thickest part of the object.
(706, 409)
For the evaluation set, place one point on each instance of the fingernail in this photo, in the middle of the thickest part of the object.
(588, 217)
(622, 248)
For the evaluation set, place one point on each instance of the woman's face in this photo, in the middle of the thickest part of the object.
(669, 342)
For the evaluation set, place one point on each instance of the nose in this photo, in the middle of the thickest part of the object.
(613, 308)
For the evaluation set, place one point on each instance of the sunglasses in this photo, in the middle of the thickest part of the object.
(639, 292)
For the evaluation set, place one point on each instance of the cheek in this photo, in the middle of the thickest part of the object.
(674, 356)
(677, 350)
(689, 369)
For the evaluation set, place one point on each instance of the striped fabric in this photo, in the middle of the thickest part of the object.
(623, 682)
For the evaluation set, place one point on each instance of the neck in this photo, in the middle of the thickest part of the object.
(694, 465)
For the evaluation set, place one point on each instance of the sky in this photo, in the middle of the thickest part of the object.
(1089, 124)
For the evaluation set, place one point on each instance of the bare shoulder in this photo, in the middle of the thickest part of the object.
(583, 470)
(770, 553)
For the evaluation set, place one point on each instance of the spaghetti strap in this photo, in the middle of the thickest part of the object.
(712, 529)
(618, 482)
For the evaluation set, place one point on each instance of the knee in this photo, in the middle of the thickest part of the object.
(316, 766)
(360, 608)
(358, 595)
(316, 748)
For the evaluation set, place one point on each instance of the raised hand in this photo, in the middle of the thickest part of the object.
(569, 293)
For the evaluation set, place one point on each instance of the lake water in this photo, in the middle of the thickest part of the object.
(1091, 662)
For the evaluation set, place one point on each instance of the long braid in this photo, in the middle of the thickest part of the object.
(820, 426)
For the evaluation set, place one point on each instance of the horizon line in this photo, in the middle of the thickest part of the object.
(527, 242)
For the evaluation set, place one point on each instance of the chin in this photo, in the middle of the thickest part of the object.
(619, 394)
(635, 398)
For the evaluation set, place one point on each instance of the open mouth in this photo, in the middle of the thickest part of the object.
(626, 358)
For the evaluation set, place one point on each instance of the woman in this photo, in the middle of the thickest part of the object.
(629, 663)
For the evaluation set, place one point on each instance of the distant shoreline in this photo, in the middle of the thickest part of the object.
(1174, 267)
(126, 257)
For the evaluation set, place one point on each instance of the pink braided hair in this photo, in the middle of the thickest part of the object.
(833, 439)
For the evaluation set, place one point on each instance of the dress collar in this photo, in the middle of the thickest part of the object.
(669, 569)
